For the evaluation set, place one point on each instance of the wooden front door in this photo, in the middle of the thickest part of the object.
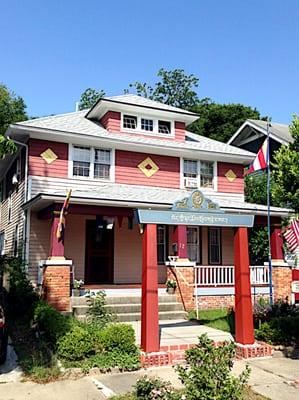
(99, 255)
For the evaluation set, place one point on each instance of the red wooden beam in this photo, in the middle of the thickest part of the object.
(276, 244)
(243, 303)
(149, 301)
(56, 247)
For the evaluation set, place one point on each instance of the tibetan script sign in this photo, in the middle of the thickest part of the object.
(194, 210)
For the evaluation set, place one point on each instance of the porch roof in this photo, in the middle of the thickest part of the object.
(133, 196)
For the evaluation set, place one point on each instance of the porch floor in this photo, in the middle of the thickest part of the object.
(180, 332)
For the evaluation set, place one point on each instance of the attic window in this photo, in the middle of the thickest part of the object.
(164, 127)
(147, 124)
(130, 122)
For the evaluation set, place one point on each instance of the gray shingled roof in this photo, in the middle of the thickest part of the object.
(142, 101)
(159, 196)
(77, 123)
(282, 131)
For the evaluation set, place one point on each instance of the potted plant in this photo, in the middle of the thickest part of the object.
(171, 286)
(77, 287)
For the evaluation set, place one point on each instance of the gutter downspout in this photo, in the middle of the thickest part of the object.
(25, 234)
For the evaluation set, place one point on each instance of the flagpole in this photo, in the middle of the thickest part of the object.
(268, 213)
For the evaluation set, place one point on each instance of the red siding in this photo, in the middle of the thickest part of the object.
(179, 128)
(127, 171)
(224, 185)
(39, 167)
(111, 121)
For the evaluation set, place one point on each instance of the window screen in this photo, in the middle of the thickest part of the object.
(130, 122)
(81, 161)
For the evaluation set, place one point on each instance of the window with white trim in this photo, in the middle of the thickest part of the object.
(9, 208)
(214, 246)
(198, 174)
(194, 243)
(130, 122)
(161, 243)
(147, 125)
(16, 241)
(164, 127)
(2, 243)
(91, 162)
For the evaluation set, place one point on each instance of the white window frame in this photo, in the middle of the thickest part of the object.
(219, 245)
(91, 168)
(9, 209)
(2, 243)
(154, 132)
(164, 243)
(212, 189)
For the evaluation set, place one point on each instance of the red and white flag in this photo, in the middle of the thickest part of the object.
(260, 161)
(292, 235)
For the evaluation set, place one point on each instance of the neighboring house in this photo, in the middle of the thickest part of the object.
(126, 152)
(251, 135)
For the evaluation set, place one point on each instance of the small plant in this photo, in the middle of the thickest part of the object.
(207, 373)
(97, 313)
(154, 389)
(119, 337)
(75, 344)
(77, 284)
(171, 283)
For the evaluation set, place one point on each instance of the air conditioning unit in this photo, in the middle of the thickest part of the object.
(190, 183)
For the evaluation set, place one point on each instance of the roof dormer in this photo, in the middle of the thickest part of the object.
(137, 115)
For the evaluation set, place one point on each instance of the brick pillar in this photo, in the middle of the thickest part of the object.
(149, 301)
(243, 304)
(276, 244)
(184, 277)
(282, 282)
(180, 239)
(57, 284)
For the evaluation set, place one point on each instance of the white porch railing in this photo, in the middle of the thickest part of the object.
(224, 275)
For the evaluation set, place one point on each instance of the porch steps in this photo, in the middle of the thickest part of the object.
(128, 308)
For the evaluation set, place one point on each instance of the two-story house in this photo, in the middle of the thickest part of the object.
(125, 153)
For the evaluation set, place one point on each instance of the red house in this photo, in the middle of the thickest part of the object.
(129, 153)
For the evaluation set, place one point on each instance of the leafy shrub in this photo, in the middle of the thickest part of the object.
(207, 373)
(154, 388)
(21, 296)
(51, 322)
(280, 330)
(119, 337)
(97, 312)
(75, 344)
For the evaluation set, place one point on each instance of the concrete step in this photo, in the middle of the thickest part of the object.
(129, 317)
(167, 298)
(129, 308)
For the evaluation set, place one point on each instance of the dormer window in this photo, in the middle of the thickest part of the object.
(164, 127)
(130, 122)
(147, 125)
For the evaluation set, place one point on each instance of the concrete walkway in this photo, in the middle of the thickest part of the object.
(173, 332)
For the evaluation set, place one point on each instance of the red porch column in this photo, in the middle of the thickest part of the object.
(149, 303)
(276, 244)
(56, 247)
(180, 238)
(243, 304)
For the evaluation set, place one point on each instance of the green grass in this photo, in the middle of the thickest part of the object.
(217, 318)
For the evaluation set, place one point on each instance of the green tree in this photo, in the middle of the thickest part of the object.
(12, 109)
(89, 97)
(174, 88)
(220, 121)
(286, 171)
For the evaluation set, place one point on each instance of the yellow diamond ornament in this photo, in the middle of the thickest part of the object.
(49, 156)
(148, 167)
(230, 175)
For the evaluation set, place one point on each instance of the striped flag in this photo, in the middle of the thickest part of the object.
(292, 235)
(63, 212)
(260, 161)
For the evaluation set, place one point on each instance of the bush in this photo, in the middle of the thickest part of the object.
(154, 388)
(75, 344)
(207, 373)
(97, 312)
(119, 337)
(51, 322)
(280, 330)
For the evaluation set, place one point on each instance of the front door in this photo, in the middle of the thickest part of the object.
(99, 255)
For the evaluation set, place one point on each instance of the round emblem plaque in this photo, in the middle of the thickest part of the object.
(197, 199)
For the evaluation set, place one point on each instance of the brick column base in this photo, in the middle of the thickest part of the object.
(184, 277)
(57, 283)
(282, 282)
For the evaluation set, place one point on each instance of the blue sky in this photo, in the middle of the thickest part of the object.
(242, 51)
